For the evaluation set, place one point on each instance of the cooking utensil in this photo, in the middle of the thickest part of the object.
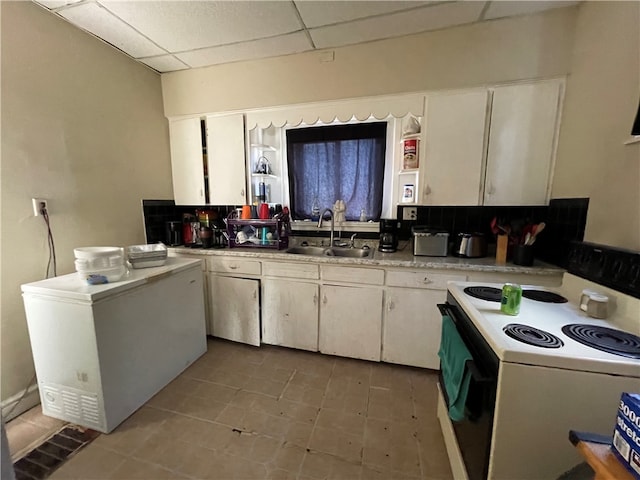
(540, 227)
(494, 226)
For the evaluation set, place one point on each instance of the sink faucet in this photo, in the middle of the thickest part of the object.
(332, 224)
(352, 242)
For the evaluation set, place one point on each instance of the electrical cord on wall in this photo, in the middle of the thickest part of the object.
(24, 394)
(52, 262)
(52, 248)
(51, 268)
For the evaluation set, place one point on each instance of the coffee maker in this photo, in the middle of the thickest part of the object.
(388, 235)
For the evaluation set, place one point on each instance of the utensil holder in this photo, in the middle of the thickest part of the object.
(523, 255)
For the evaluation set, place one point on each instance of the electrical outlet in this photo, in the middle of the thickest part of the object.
(38, 205)
(409, 213)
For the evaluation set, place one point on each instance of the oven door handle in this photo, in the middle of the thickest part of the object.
(478, 377)
(445, 310)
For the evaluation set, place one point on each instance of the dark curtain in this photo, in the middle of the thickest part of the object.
(342, 162)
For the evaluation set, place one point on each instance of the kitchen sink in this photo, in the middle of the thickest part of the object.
(351, 252)
(331, 252)
(317, 251)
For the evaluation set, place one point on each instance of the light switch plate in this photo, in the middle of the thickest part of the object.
(409, 213)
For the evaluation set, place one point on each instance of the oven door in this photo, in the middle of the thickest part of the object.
(473, 433)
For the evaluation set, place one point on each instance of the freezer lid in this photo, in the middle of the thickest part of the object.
(72, 287)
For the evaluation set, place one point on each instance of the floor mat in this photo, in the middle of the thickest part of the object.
(43, 460)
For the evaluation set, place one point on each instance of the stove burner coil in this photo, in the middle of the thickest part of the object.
(532, 336)
(605, 339)
(490, 294)
(543, 296)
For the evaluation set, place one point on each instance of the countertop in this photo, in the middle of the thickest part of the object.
(402, 258)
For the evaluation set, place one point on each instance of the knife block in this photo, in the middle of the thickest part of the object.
(501, 249)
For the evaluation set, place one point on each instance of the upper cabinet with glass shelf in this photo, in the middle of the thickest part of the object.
(264, 162)
(409, 155)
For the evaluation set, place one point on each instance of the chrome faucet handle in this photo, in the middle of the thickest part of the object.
(352, 241)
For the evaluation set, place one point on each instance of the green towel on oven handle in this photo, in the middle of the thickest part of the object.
(453, 355)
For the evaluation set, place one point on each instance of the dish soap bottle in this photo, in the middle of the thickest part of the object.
(315, 209)
(363, 215)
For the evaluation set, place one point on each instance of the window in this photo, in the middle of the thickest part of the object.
(342, 162)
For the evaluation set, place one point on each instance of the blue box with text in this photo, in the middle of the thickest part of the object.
(626, 434)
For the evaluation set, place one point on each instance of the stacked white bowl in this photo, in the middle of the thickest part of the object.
(100, 264)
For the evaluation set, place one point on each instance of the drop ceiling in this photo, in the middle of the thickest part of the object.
(177, 35)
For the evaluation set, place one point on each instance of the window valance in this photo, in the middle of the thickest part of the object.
(344, 110)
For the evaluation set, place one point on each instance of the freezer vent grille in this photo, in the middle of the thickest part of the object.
(72, 405)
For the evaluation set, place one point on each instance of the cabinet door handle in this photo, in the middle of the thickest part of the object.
(242, 192)
(426, 280)
(391, 305)
(490, 190)
(427, 190)
(255, 294)
(315, 298)
(233, 267)
(201, 193)
(324, 299)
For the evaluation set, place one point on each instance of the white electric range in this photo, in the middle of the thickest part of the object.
(525, 396)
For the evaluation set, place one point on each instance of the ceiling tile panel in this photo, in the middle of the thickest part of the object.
(95, 19)
(164, 63)
(397, 24)
(267, 47)
(187, 25)
(317, 13)
(510, 8)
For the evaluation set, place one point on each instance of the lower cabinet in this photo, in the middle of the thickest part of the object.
(350, 321)
(234, 308)
(412, 327)
(290, 313)
(412, 323)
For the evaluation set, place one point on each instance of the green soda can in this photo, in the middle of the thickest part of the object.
(511, 298)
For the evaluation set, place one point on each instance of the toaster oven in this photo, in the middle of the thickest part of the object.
(430, 242)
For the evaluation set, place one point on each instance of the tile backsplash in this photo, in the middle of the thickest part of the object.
(565, 219)
(565, 222)
(157, 212)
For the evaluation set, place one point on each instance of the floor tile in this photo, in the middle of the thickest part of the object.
(241, 412)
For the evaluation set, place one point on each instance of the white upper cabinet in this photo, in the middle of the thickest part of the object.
(455, 131)
(226, 159)
(187, 162)
(521, 143)
(211, 174)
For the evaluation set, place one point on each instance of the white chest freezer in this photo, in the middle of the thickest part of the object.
(102, 351)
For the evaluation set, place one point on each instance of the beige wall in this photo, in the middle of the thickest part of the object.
(595, 43)
(511, 49)
(82, 126)
(600, 105)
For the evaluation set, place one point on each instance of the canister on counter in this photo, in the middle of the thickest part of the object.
(511, 299)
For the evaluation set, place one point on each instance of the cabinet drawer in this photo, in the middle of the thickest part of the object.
(421, 279)
(233, 265)
(294, 270)
(368, 276)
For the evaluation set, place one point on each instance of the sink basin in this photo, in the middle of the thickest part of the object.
(331, 252)
(351, 252)
(318, 251)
